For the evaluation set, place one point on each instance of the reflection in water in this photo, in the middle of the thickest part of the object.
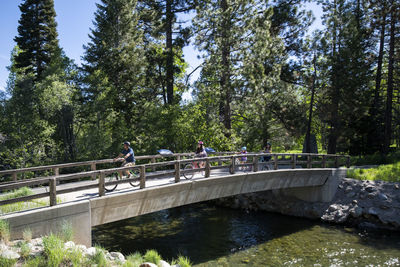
(214, 236)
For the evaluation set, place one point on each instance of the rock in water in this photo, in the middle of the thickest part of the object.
(148, 264)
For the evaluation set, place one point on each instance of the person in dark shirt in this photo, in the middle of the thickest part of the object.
(128, 157)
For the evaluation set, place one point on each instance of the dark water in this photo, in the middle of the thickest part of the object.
(214, 236)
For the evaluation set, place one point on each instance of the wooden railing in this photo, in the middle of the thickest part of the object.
(55, 168)
(147, 171)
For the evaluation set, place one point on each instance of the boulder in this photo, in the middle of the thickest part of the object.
(164, 264)
(69, 245)
(382, 197)
(372, 211)
(370, 188)
(9, 254)
(117, 256)
(91, 251)
(148, 264)
(356, 211)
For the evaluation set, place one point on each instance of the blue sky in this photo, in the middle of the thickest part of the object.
(74, 18)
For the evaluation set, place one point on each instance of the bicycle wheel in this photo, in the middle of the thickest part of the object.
(135, 174)
(109, 178)
(265, 167)
(188, 175)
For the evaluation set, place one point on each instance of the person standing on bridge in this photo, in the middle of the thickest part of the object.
(200, 153)
(127, 156)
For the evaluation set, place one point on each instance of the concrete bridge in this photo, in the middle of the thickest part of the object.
(91, 206)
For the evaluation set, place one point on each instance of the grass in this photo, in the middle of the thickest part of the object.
(7, 262)
(4, 231)
(99, 258)
(25, 249)
(66, 233)
(376, 159)
(24, 205)
(27, 235)
(152, 256)
(182, 261)
(133, 260)
(53, 250)
(388, 173)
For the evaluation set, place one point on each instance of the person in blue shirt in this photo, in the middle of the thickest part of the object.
(127, 156)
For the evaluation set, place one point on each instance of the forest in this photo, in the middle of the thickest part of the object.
(263, 78)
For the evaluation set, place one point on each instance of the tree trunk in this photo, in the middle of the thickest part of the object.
(335, 94)
(225, 101)
(308, 143)
(389, 92)
(375, 136)
(170, 54)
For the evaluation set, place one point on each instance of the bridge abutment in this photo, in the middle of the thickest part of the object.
(49, 220)
(322, 193)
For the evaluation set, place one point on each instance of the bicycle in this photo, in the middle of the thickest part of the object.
(115, 176)
(191, 166)
(266, 166)
(239, 161)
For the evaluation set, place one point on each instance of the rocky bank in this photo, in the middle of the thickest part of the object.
(12, 250)
(364, 204)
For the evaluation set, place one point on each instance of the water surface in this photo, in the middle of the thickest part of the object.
(215, 236)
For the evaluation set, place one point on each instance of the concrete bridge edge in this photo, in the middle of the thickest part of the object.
(323, 193)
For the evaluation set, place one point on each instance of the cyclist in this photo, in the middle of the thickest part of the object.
(243, 159)
(200, 153)
(267, 149)
(127, 156)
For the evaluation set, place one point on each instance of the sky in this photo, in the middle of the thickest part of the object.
(74, 19)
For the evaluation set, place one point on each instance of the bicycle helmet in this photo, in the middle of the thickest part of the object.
(127, 143)
(200, 143)
(244, 148)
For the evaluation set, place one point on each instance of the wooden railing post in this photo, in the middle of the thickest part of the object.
(56, 171)
(207, 168)
(348, 161)
(255, 163)
(324, 161)
(102, 190)
(308, 161)
(219, 162)
(153, 160)
(142, 177)
(93, 168)
(14, 176)
(177, 171)
(232, 167)
(336, 161)
(53, 191)
(293, 161)
(275, 162)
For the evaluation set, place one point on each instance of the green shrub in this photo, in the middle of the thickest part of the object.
(25, 249)
(133, 260)
(4, 262)
(75, 257)
(99, 257)
(152, 256)
(182, 261)
(53, 250)
(27, 235)
(4, 231)
(66, 233)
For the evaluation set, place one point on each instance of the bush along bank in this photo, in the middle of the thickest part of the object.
(54, 251)
(363, 204)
